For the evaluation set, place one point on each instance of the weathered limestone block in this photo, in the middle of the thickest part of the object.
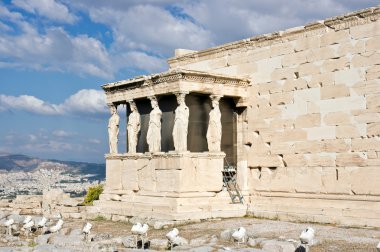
(292, 111)
(365, 181)
(373, 129)
(281, 179)
(332, 37)
(366, 144)
(366, 87)
(280, 74)
(307, 43)
(258, 146)
(322, 53)
(282, 48)
(365, 31)
(351, 159)
(366, 59)
(147, 177)
(336, 145)
(295, 84)
(264, 161)
(310, 94)
(246, 69)
(321, 160)
(293, 135)
(367, 117)
(294, 59)
(330, 92)
(351, 47)
(351, 131)
(322, 80)
(265, 68)
(282, 148)
(295, 160)
(237, 58)
(71, 202)
(270, 88)
(373, 101)
(337, 118)
(342, 104)
(129, 175)
(281, 98)
(348, 77)
(372, 44)
(309, 68)
(335, 64)
(308, 121)
(373, 73)
(308, 179)
(336, 180)
(282, 124)
(320, 133)
(308, 147)
(113, 171)
(259, 54)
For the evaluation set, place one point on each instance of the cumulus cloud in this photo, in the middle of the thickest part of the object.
(88, 102)
(143, 33)
(28, 103)
(56, 50)
(50, 9)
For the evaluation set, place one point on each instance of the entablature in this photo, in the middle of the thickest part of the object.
(176, 81)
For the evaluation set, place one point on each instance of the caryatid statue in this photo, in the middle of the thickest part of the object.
(133, 127)
(154, 129)
(214, 130)
(181, 123)
(113, 129)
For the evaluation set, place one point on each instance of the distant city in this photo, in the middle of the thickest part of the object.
(21, 174)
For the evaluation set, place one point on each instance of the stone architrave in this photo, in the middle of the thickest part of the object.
(133, 127)
(214, 130)
(113, 129)
(181, 123)
(154, 129)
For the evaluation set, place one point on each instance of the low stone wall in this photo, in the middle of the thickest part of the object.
(49, 204)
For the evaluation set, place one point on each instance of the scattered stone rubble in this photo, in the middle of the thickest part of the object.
(262, 235)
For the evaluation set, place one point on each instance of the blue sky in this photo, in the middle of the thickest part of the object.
(55, 54)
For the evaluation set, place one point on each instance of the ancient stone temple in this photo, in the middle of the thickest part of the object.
(295, 114)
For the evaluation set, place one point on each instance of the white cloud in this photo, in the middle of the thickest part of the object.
(148, 27)
(51, 9)
(9, 15)
(57, 50)
(143, 32)
(61, 133)
(88, 102)
(28, 103)
(94, 141)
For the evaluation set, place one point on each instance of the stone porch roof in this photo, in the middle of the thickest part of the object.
(176, 81)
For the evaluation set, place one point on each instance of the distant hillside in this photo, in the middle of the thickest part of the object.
(18, 162)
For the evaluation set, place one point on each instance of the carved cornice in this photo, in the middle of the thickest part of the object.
(174, 81)
(176, 75)
(320, 27)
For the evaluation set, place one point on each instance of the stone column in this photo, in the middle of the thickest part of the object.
(154, 129)
(113, 129)
(214, 130)
(133, 127)
(181, 124)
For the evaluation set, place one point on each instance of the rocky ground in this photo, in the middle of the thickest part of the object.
(215, 235)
